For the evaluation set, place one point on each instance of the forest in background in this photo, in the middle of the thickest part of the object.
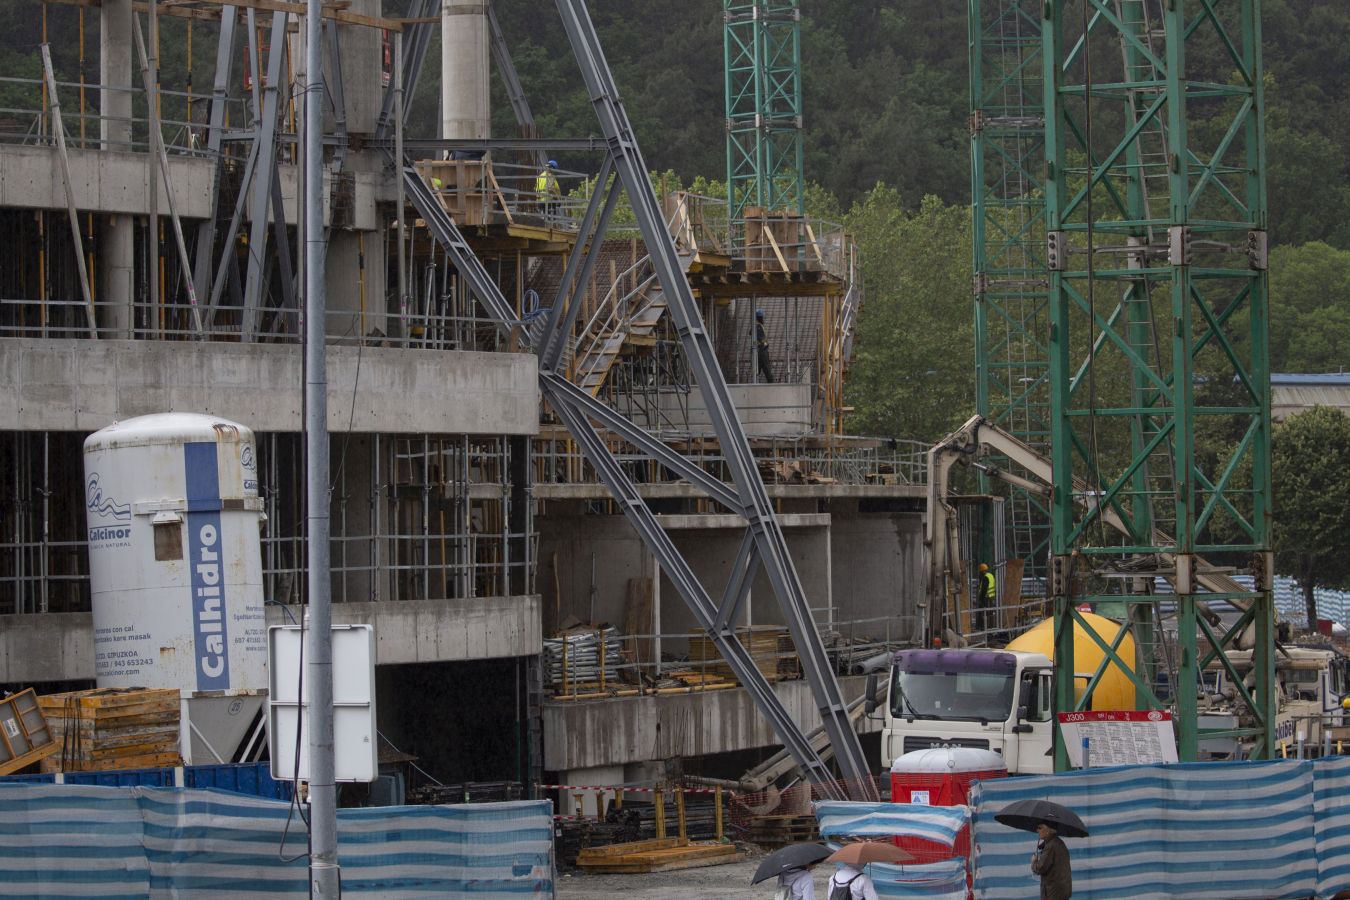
(886, 147)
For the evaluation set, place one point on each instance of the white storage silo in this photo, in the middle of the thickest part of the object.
(175, 570)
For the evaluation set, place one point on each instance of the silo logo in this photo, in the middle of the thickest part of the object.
(103, 506)
(208, 603)
(246, 458)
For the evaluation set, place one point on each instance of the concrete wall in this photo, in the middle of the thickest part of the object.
(879, 570)
(709, 543)
(75, 385)
(625, 730)
(60, 646)
(42, 648)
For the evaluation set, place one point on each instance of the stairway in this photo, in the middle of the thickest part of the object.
(621, 320)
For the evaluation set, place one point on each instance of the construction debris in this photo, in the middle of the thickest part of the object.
(24, 735)
(112, 728)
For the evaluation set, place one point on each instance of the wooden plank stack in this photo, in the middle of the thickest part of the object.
(112, 728)
(770, 646)
(779, 831)
(659, 855)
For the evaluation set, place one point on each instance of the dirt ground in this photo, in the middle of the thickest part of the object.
(727, 881)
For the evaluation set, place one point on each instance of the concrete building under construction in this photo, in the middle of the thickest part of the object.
(525, 630)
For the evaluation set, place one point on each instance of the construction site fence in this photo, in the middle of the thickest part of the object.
(597, 662)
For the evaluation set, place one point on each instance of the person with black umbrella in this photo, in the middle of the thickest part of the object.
(1051, 862)
(792, 866)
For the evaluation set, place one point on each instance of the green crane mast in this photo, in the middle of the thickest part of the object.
(763, 63)
(1158, 319)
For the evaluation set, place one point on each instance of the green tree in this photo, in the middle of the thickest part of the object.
(1310, 463)
(1310, 308)
(913, 373)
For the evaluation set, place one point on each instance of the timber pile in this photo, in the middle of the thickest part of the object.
(770, 646)
(583, 659)
(778, 831)
(658, 855)
(112, 728)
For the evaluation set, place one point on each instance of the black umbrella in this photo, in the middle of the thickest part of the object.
(793, 856)
(1027, 814)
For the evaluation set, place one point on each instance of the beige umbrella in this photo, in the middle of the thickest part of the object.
(864, 852)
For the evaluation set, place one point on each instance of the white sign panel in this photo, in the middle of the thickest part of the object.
(1118, 737)
(354, 735)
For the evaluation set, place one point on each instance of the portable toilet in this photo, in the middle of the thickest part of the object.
(941, 776)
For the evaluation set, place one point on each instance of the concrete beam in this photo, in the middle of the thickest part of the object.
(60, 646)
(425, 631)
(74, 385)
(106, 181)
(586, 734)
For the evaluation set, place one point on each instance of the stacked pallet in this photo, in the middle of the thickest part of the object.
(112, 728)
(779, 831)
(770, 646)
(658, 855)
(583, 659)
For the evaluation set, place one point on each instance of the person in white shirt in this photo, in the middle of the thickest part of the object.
(857, 885)
(796, 885)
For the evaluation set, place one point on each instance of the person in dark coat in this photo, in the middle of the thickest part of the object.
(1051, 862)
(762, 348)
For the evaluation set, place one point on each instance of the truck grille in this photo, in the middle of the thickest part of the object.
(913, 743)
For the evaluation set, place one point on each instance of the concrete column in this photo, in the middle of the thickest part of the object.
(465, 75)
(118, 257)
(362, 80)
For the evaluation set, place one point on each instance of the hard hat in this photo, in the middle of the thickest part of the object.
(759, 314)
(983, 567)
(1345, 704)
(553, 164)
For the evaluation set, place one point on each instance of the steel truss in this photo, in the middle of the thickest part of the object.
(763, 59)
(1007, 153)
(1156, 245)
(587, 419)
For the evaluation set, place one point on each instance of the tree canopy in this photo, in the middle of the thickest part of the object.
(1310, 465)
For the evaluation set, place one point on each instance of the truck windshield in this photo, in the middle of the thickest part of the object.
(964, 695)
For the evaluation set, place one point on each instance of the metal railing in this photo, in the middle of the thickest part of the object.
(596, 662)
(844, 460)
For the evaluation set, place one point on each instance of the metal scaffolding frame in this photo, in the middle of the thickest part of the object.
(763, 76)
(1007, 154)
(763, 543)
(1156, 245)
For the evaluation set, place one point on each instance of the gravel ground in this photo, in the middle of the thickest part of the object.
(730, 881)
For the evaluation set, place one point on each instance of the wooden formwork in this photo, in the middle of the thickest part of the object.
(25, 737)
(113, 728)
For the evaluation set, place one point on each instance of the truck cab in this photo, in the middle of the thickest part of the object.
(999, 700)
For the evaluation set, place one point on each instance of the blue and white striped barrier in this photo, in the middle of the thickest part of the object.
(945, 880)
(839, 818)
(1214, 830)
(76, 841)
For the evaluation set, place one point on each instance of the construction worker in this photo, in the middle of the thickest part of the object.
(988, 597)
(762, 348)
(546, 188)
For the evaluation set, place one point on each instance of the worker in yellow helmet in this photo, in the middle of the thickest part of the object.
(546, 188)
(987, 600)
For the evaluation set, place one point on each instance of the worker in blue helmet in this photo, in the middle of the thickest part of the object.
(546, 189)
(762, 348)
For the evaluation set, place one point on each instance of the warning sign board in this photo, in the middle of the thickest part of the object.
(1118, 737)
